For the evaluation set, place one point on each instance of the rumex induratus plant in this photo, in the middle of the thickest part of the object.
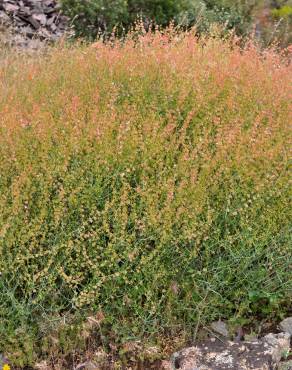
(146, 179)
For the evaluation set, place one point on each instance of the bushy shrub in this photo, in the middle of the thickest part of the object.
(283, 28)
(145, 184)
(283, 12)
(94, 16)
(237, 15)
(275, 23)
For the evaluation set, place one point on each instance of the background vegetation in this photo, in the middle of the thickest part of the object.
(272, 18)
(99, 15)
(144, 184)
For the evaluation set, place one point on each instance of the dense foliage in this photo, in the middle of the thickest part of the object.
(94, 16)
(145, 184)
(282, 15)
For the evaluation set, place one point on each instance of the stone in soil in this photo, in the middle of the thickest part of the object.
(286, 325)
(220, 327)
(263, 354)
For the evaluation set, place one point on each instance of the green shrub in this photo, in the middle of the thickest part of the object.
(94, 16)
(283, 12)
(278, 27)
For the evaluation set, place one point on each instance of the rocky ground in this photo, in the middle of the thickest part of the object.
(272, 351)
(31, 23)
(220, 351)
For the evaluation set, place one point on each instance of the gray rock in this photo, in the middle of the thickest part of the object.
(32, 19)
(87, 366)
(10, 7)
(221, 328)
(278, 344)
(41, 18)
(4, 17)
(286, 325)
(263, 354)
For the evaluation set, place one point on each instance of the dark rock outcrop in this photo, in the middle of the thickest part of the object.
(28, 23)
